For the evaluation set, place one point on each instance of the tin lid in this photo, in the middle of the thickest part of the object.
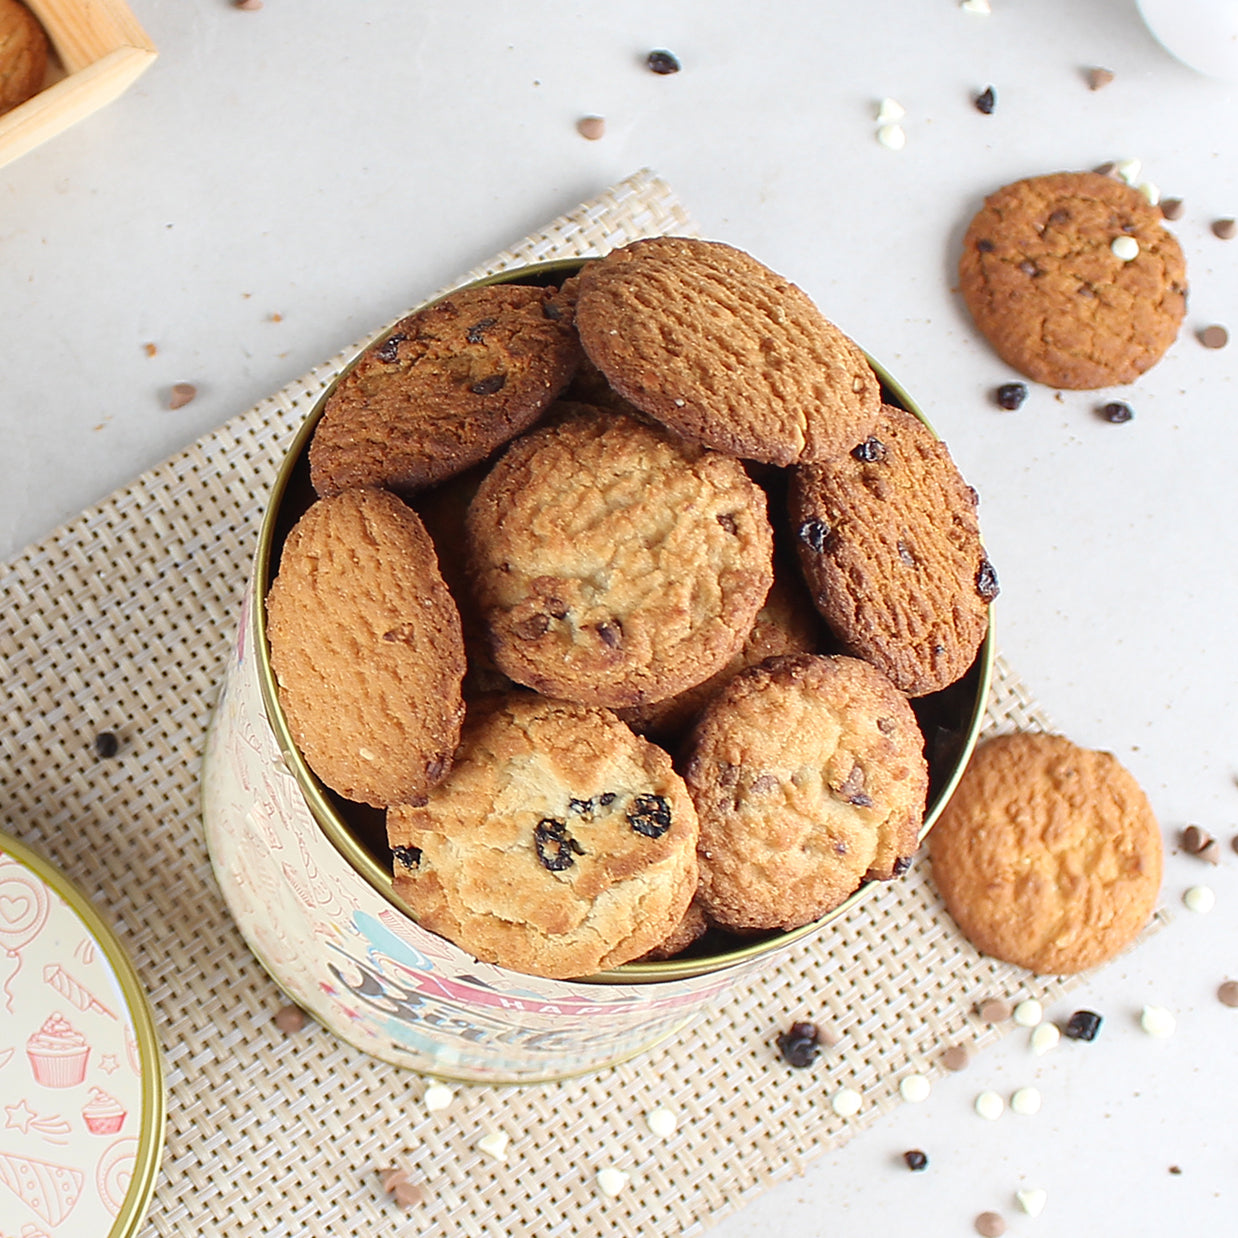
(82, 1104)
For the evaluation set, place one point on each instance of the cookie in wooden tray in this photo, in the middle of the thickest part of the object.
(1048, 855)
(808, 776)
(560, 844)
(724, 351)
(366, 648)
(1074, 279)
(615, 563)
(889, 544)
(23, 54)
(445, 388)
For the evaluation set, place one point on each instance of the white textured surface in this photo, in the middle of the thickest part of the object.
(331, 163)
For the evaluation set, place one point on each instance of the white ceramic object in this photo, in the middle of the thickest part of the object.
(1203, 34)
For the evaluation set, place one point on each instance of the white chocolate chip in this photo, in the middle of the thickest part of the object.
(1125, 247)
(990, 1105)
(494, 1144)
(846, 1102)
(1151, 192)
(1128, 170)
(1028, 1013)
(1200, 899)
(438, 1096)
(914, 1089)
(1025, 1101)
(612, 1180)
(892, 136)
(889, 111)
(1157, 1021)
(976, 6)
(1032, 1202)
(1044, 1038)
(662, 1122)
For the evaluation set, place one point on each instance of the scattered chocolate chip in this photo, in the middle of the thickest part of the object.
(248, 6)
(1011, 396)
(650, 815)
(611, 634)
(289, 1019)
(181, 394)
(395, 1182)
(1224, 228)
(1082, 1025)
(1172, 208)
(591, 127)
(986, 581)
(1214, 337)
(476, 334)
(870, 451)
(916, 1160)
(555, 845)
(990, 1225)
(985, 246)
(489, 385)
(1106, 169)
(107, 745)
(1099, 78)
(389, 349)
(902, 865)
(1195, 839)
(1117, 412)
(1210, 852)
(994, 1010)
(986, 101)
(814, 534)
(1227, 994)
(800, 1045)
(1175, 1169)
(956, 1057)
(410, 857)
(662, 62)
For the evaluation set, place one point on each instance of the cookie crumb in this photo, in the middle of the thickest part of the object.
(1099, 78)
(1029, 1013)
(916, 1160)
(990, 1225)
(915, 1088)
(892, 137)
(1224, 229)
(1172, 208)
(1125, 248)
(956, 1057)
(395, 1182)
(990, 1106)
(662, 1122)
(1157, 1022)
(181, 394)
(1116, 412)
(986, 101)
(494, 1144)
(612, 1180)
(1032, 1201)
(438, 1096)
(150, 349)
(106, 745)
(1025, 1101)
(1175, 1169)
(591, 127)
(1083, 1025)
(1044, 1038)
(1214, 336)
(1199, 899)
(289, 1019)
(994, 1010)
(662, 62)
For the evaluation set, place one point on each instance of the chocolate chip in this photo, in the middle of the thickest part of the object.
(1011, 396)
(916, 1160)
(1175, 1169)
(985, 246)
(1117, 412)
(289, 1019)
(986, 101)
(181, 394)
(986, 581)
(1227, 994)
(532, 627)
(576, 805)
(489, 385)
(956, 1057)
(727, 521)
(814, 534)
(887, 726)
(870, 451)
(990, 1225)
(555, 845)
(1098, 78)
(662, 62)
(389, 349)
(592, 128)
(1172, 208)
(800, 1045)
(611, 634)
(1195, 839)
(650, 815)
(106, 745)
(994, 1010)
(1082, 1025)
(1028, 267)
(606, 798)
(551, 310)
(1105, 169)
(1214, 337)
(1058, 216)
(902, 864)
(410, 857)
(1224, 228)
(476, 334)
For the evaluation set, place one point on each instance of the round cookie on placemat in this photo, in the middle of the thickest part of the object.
(1073, 279)
(615, 563)
(1048, 855)
(724, 351)
(560, 843)
(890, 546)
(366, 648)
(808, 776)
(445, 388)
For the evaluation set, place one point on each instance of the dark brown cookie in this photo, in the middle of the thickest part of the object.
(1045, 287)
(445, 388)
(724, 351)
(890, 547)
(23, 54)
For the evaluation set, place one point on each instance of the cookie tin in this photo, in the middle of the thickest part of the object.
(310, 887)
(81, 1080)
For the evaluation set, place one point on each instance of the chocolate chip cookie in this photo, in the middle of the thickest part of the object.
(366, 648)
(445, 388)
(559, 845)
(1048, 855)
(1057, 299)
(808, 776)
(724, 351)
(615, 563)
(23, 54)
(890, 546)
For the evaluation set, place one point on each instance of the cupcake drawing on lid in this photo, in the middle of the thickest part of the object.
(58, 1053)
(102, 1113)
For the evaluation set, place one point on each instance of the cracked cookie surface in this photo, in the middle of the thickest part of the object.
(724, 351)
(1048, 855)
(808, 775)
(616, 564)
(559, 845)
(1044, 287)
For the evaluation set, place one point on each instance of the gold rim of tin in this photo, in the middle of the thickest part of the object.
(332, 825)
(154, 1098)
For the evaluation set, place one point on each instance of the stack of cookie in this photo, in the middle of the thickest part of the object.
(558, 609)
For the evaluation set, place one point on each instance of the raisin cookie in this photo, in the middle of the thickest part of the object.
(1042, 280)
(559, 845)
(23, 54)
(445, 388)
(724, 351)
(366, 648)
(616, 564)
(1048, 855)
(890, 547)
(808, 776)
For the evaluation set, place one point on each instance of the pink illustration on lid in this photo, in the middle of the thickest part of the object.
(50, 1191)
(53, 1128)
(23, 912)
(115, 1172)
(58, 1053)
(74, 990)
(103, 1113)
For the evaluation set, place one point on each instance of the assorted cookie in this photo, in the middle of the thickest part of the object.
(23, 54)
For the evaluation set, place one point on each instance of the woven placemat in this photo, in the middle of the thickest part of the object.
(121, 621)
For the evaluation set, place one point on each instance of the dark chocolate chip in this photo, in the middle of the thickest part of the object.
(1172, 208)
(611, 634)
(107, 745)
(986, 101)
(532, 627)
(551, 310)
(1175, 1169)
(814, 534)
(915, 1159)
(410, 857)
(902, 864)
(727, 521)
(489, 385)
(985, 246)
(476, 334)
(800, 1045)
(389, 349)
(1082, 1025)
(1117, 412)
(650, 815)
(662, 62)
(580, 805)
(555, 845)
(1011, 396)
(870, 451)
(986, 581)
(289, 1019)
(1058, 216)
